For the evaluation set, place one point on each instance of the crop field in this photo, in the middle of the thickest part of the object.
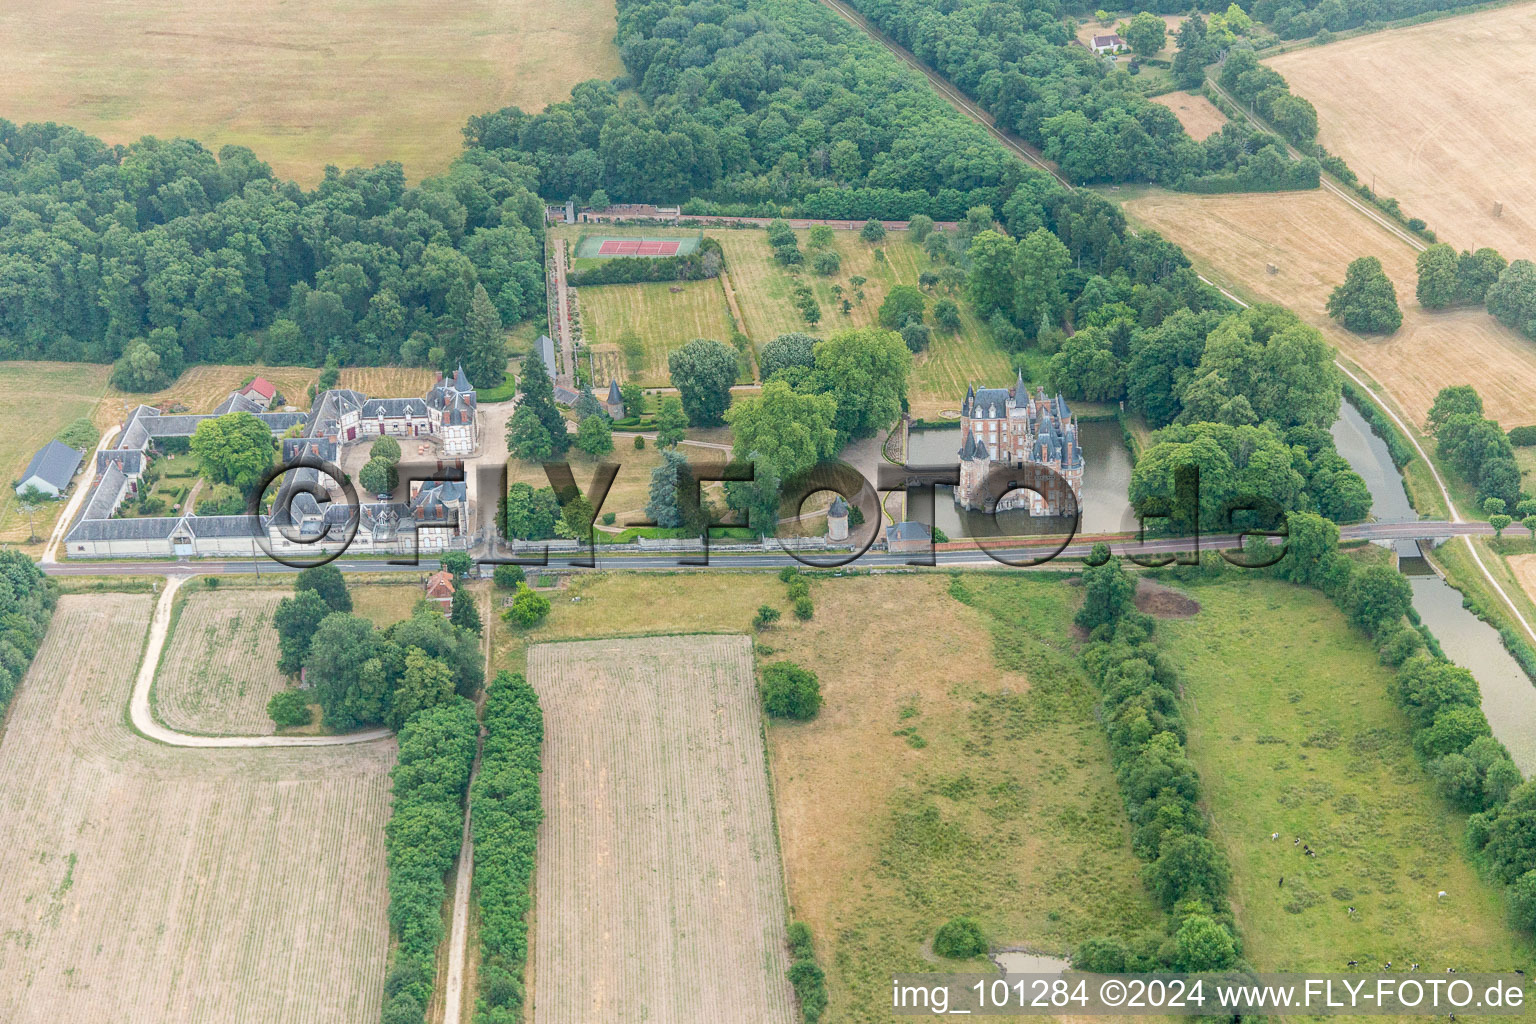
(347, 82)
(658, 886)
(1198, 115)
(220, 665)
(939, 376)
(202, 387)
(153, 885)
(1307, 743)
(665, 315)
(1439, 115)
(72, 390)
(387, 381)
(1311, 237)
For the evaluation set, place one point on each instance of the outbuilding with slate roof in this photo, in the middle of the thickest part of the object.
(51, 469)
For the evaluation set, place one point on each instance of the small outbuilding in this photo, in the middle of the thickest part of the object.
(259, 391)
(907, 538)
(440, 590)
(51, 469)
(837, 519)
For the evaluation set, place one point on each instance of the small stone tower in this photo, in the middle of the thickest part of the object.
(837, 519)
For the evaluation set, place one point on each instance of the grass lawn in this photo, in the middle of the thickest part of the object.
(1304, 741)
(631, 488)
(384, 603)
(41, 399)
(666, 316)
(349, 82)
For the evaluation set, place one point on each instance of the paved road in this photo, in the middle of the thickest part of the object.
(1015, 550)
(144, 719)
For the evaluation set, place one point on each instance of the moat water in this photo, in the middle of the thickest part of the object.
(1509, 699)
(1106, 482)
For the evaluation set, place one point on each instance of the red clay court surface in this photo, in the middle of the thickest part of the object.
(636, 247)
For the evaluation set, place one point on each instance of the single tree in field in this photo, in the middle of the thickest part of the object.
(27, 503)
(595, 436)
(464, 613)
(528, 608)
(1145, 33)
(1438, 276)
(766, 616)
(703, 372)
(873, 231)
(1366, 302)
(671, 421)
(790, 691)
(485, 350)
(327, 581)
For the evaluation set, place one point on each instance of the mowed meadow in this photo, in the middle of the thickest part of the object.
(1438, 116)
(1310, 239)
(347, 82)
(39, 400)
(154, 885)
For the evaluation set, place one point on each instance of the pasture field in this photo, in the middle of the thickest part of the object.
(666, 316)
(1199, 116)
(347, 82)
(939, 376)
(155, 885)
(1311, 237)
(1306, 742)
(970, 775)
(220, 665)
(1439, 115)
(658, 887)
(40, 399)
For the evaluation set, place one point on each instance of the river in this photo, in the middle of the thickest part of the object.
(1509, 699)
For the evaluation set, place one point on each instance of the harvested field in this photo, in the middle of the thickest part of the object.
(345, 82)
(659, 894)
(73, 391)
(388, 381)
(201, 388)
(1439, 114)
(220, 665)
(154, 885)
(1198, 115)
(1311, 237)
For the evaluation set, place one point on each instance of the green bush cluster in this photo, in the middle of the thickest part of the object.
(289, 708)
(790, 691)
(421, 840)
(1184, 870)
(505, 812)
(806, 975)
(960, 938)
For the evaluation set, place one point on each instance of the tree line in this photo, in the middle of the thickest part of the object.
(27, 600)
(1482, 278)
(160, 254)
(1022, 65)
(505, 812)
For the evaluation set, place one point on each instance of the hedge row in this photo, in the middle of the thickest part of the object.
(426, 826)
(27, 598)
(505, 812)
(695, 266)
(1184, 870)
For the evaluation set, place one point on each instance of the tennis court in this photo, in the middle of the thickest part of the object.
(606, 247)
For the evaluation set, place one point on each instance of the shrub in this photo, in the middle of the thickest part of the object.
(766, 616)
(807, 977)
(507, 577)
(1522, 437)
(289, 708)
(639, 443)
(528, 608)
(790, 691)
(804, 609)
(1100, 956)
(959, 939)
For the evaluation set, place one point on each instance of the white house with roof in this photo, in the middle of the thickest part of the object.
(1107, 45)
(51, 469)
